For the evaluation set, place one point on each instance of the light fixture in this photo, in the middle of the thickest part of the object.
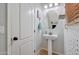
(50, 5)
(45, 6)
(56, 4)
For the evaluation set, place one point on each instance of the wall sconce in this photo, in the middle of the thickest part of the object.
(50, 5)
(56, 4)
(45, 6)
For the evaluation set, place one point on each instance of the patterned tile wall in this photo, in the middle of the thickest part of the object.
(71, 40)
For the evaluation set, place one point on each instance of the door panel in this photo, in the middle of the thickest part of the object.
(26, 29)
(26, 21)
(20, 19)
(15, 20)
(27, 48)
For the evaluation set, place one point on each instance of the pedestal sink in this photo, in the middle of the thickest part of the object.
(50, 38)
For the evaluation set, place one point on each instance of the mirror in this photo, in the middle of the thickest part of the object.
(52, 18)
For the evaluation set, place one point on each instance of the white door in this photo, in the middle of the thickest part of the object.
(20, 29)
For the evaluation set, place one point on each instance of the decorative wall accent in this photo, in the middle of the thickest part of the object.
(72, 12)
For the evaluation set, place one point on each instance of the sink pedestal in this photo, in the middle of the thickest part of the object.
(50, 38)
(49, 47)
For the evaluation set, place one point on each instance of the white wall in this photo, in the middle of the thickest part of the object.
(3, 19)
(58, 45)
(59, 10)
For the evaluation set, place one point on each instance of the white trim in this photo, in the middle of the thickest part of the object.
(8, 32)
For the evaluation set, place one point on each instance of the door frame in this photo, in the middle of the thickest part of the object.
(8, 32)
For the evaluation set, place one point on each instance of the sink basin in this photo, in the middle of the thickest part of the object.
(49, 37)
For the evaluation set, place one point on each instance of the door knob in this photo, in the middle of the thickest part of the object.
(34, 30)
(15, 38)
